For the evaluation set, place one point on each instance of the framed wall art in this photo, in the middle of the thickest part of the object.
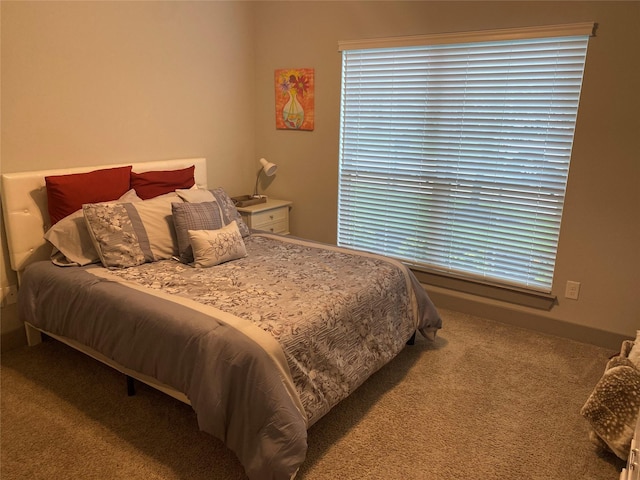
(295, 90)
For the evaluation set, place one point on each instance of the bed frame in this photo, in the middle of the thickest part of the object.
(26, 219)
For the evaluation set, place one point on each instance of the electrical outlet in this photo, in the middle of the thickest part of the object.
(9, 295)
(573, 290)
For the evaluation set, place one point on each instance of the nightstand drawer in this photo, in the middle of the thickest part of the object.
(278, 227)
(270, 216)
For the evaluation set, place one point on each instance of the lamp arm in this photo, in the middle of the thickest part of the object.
(255, 190)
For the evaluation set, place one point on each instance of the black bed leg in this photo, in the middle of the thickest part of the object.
(412, 340)
(131, 386)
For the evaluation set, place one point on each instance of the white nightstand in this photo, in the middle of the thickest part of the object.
(271, 216)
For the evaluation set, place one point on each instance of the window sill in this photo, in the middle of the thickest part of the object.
(540, 301)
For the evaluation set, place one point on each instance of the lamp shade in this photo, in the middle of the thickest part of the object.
(268, 167)
(269, 170)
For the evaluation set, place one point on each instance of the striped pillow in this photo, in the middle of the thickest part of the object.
(194, 216)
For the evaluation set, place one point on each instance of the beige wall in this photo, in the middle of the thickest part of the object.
(88, 83)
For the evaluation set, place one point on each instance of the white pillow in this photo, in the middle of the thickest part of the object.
(213, 247)
(72, 244)
(195, 195)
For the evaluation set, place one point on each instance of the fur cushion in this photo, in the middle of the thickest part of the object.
(613, 407)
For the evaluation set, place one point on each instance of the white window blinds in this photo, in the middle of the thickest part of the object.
(454, 157)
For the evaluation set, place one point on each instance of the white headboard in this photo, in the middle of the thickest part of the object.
(24, 205)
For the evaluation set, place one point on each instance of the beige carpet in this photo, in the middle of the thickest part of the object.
(485, 401)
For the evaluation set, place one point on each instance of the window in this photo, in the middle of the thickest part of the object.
(455, 150)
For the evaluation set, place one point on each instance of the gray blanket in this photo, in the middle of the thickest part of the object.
(262, 346)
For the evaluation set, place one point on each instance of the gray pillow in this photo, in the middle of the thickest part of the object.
(229, 211)
(194, 216)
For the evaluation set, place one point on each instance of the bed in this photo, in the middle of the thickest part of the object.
(261, 334)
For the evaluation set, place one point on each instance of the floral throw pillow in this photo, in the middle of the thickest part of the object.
(129, 234)
(72, 244)
(213, 247)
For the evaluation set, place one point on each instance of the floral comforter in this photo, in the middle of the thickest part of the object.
(337, 316)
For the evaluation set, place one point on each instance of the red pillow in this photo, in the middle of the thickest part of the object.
(152, 184)
(67, 193)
